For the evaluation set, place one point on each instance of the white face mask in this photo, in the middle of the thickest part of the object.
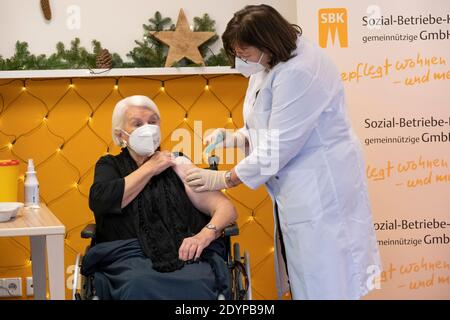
(145, 139)
(248, 68)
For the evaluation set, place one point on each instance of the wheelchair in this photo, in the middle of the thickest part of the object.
(238, 264)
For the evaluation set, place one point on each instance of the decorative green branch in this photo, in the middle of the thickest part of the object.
(147, 53)
(150, 52)
(205, 23)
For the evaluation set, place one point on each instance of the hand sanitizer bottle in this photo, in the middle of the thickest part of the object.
(31, 187)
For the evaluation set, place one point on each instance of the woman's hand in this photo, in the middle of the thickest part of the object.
(136, 181)
(159, 162)
(192, 247)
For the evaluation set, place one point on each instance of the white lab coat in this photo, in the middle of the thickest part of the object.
(317, 178)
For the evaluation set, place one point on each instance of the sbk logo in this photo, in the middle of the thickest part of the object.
(333, 23)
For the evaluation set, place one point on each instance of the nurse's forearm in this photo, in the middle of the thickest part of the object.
(234, 179)
(240, 141)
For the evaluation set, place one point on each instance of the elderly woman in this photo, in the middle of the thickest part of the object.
(156, 238)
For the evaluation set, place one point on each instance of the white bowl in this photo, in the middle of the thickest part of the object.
(8, 210)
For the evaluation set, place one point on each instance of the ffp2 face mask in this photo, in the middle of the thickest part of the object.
(145, 139)
(247, 68)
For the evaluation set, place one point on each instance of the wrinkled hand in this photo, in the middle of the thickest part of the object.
(160, 161)
(205, 180)
(192, 247)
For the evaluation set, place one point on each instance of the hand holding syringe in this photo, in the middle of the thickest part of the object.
(219, 137)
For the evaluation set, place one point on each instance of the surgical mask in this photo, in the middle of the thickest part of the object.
(247, 68)
(144, 140)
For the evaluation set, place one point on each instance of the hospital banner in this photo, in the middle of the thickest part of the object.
(394, 60)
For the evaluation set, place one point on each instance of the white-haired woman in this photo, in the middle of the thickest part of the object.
(156, 238)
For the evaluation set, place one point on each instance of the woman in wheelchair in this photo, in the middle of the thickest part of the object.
(155, 237)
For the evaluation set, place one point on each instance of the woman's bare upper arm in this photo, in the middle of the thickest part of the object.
(203, 201)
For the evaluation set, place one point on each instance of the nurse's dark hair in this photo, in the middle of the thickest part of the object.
(263, 27)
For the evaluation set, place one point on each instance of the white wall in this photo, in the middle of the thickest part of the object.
(115, 23)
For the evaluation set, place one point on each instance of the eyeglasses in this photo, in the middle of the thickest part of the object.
(244, 60)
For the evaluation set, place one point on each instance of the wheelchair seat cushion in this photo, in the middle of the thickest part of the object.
(122, 271)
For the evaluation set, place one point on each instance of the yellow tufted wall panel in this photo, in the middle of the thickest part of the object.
(65, 128)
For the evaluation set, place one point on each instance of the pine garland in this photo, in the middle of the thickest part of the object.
(76, 57)
(147, 53)
(150, 52)
(205, 23)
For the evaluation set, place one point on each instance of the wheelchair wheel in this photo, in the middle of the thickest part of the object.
(241, 282)
(86, 289)
(237, 285)
(76, 275)
(247, 269)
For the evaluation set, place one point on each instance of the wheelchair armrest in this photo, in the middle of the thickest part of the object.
(231, 230)
(88, 232)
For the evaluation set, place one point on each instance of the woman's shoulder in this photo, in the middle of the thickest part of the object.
(108, 159)
(309, 63)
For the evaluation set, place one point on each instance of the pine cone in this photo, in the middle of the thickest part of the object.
(104, 59)
(45, 5)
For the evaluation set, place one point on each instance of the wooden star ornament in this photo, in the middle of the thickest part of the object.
(182, 42)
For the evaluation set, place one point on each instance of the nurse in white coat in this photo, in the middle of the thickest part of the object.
(301, 146)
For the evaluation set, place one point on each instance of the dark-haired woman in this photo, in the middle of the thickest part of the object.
(301, 146)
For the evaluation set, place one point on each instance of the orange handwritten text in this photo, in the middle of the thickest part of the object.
(393, 67)
(408, 169)
(417, 275)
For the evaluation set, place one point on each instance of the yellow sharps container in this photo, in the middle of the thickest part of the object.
(9, 176)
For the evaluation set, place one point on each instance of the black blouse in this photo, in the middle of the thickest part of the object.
(105, 200)
(160, 217)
